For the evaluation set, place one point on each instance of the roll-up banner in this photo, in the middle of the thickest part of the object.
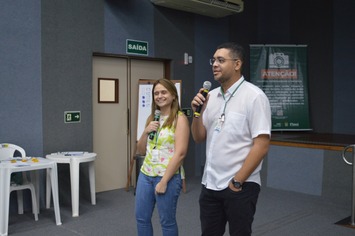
(281, 72)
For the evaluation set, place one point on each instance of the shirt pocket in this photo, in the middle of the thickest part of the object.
(234, 123)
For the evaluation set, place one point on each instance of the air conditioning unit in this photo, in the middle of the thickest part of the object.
(212, 8)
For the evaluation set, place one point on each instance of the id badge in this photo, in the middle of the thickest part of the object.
(219, 125)
(155, 155)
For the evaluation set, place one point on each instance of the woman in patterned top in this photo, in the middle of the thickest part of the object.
(159, 181)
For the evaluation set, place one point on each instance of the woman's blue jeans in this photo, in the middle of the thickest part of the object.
(166, 204)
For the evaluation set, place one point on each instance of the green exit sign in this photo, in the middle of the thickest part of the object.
(136, 47)
(72, 116)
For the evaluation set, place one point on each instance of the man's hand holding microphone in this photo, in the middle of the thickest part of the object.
(197, 103)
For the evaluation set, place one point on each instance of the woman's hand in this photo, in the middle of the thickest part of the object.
(153, 126)
(160, 188)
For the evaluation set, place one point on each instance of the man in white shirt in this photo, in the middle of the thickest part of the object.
(235, 122)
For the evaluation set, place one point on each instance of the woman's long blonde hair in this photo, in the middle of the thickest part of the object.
(175, 107)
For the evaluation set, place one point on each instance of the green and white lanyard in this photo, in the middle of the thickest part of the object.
(221, 118)
(156, 137)
(155, 151)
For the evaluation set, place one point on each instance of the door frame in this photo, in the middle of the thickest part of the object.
(167, 75)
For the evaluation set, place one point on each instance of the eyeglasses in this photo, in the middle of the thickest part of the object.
(221, 60)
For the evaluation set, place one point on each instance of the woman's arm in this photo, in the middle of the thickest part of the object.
(182, 132)
(142, 142)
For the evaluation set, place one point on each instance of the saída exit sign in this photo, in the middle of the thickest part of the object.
(136, 47)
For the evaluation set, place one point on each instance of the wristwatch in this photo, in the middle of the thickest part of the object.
(237, 184)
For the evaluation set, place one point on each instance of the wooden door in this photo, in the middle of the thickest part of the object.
(115, 124)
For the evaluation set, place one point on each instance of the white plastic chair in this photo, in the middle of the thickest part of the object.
(7, 152)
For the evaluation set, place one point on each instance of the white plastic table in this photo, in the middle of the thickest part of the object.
(6, 168)
(74, 159)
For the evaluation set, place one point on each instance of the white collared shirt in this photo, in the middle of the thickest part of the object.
(247, 115)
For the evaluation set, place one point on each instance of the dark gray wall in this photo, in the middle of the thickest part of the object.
(343, 77)
(20, 75)
(313, 25)
(128, 20)
(71, 32)
(46, 69)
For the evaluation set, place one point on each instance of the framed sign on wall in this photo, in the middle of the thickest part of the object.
(107, 90)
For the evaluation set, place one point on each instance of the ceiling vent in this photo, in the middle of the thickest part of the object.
(212, 8)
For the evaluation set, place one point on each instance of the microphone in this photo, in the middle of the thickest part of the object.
(156, 118)
(204, 92)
